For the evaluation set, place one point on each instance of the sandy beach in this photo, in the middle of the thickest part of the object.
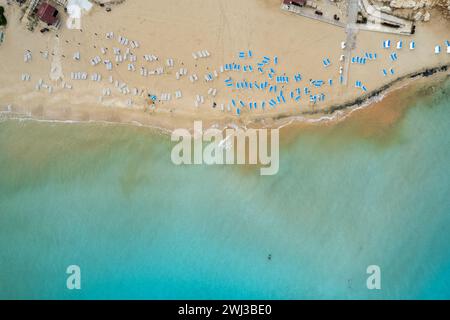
(176, 29)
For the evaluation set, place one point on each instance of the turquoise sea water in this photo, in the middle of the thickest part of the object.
(107, 198)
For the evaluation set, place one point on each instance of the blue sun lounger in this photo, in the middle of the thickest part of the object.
(384, 72)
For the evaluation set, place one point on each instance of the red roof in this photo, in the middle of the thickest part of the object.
(47, 13)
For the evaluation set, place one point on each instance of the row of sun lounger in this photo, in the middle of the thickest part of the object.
(169, 62)
(96, 77)
(95, 61)
(243, 54)
(78, 75)
(438, 49)
(391, 71)
(27, 56)
(41, 85)
(212, 92)
(358, 84)
(200, 54)
(387, 44)
(150, 57)
(123, 41)
(25, 77)
(193, 78)
(165, 97)
(393, 56)
(106, 92)
(110, 35)
(145, 72)
(180, 73)
(76, 56)
(108, 65)
(326, 62)
(199, 100)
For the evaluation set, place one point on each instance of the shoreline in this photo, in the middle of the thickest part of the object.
(370, 98)
(334, 114)
(231, 29)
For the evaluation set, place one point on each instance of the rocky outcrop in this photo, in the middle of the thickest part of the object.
(418, 10)
(403, 4)
(410, 4)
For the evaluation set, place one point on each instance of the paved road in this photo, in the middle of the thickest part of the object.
(309, 13)
(351, 30)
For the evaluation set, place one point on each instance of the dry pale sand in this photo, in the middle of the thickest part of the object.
(174, 29)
